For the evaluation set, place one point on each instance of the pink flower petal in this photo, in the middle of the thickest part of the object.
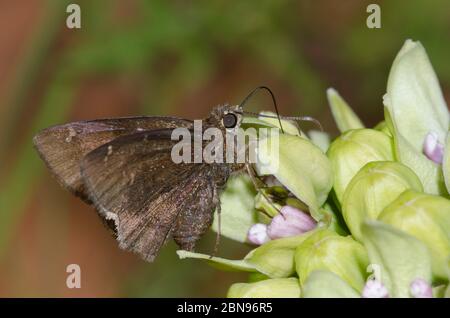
(257, 234)
(432, 148)
(374, 289)
(290, 222)
(419, 288)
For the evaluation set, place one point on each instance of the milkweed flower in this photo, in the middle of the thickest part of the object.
(374, 200)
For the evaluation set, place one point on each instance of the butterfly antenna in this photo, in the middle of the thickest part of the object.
(273, 100)
(295, 118)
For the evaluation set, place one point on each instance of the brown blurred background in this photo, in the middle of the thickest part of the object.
(135, 57)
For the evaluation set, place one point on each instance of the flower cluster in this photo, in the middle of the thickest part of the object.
(366, 215)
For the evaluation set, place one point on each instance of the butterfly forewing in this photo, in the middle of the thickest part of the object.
(63, 147)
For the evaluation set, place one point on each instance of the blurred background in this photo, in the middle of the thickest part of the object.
(157, 57)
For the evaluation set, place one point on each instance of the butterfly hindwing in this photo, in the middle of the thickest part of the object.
(133, 181)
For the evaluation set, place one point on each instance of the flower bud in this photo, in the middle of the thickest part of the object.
(375, 186)
(432, 148)
(257, 234)
(326, 284)
(290, 222)
(419, 288)
(374, 289)
(425, 217)
(354, 149)
(326, 250)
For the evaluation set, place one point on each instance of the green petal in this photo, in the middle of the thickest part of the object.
(254, 277)
(429, 173)
(416, 106)
(414, 97)
(237, 207)
(326, 250)
(269, 288)
(446, 163)
(320, 139)
(383, 127)
(333, 219)
(276, 258)
(343, 115)
(352, 150)
(426, 217)
(325, 284)
(400, 257)
(300, 166)
(218, 262)
(374, 187)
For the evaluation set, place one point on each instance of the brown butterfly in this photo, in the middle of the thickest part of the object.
(123, 167)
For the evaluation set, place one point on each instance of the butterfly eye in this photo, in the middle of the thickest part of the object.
(229, 120)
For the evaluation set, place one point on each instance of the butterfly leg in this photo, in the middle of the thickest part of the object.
(216, 200)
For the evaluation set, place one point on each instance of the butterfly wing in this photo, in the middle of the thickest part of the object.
(63, 147)
(133, 181)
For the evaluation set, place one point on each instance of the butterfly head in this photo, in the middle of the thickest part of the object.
(227, 117)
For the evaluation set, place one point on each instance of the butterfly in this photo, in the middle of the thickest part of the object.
(123, 167)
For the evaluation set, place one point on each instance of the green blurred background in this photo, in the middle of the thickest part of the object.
(134, 57)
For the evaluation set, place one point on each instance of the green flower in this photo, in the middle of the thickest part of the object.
(415, 107)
